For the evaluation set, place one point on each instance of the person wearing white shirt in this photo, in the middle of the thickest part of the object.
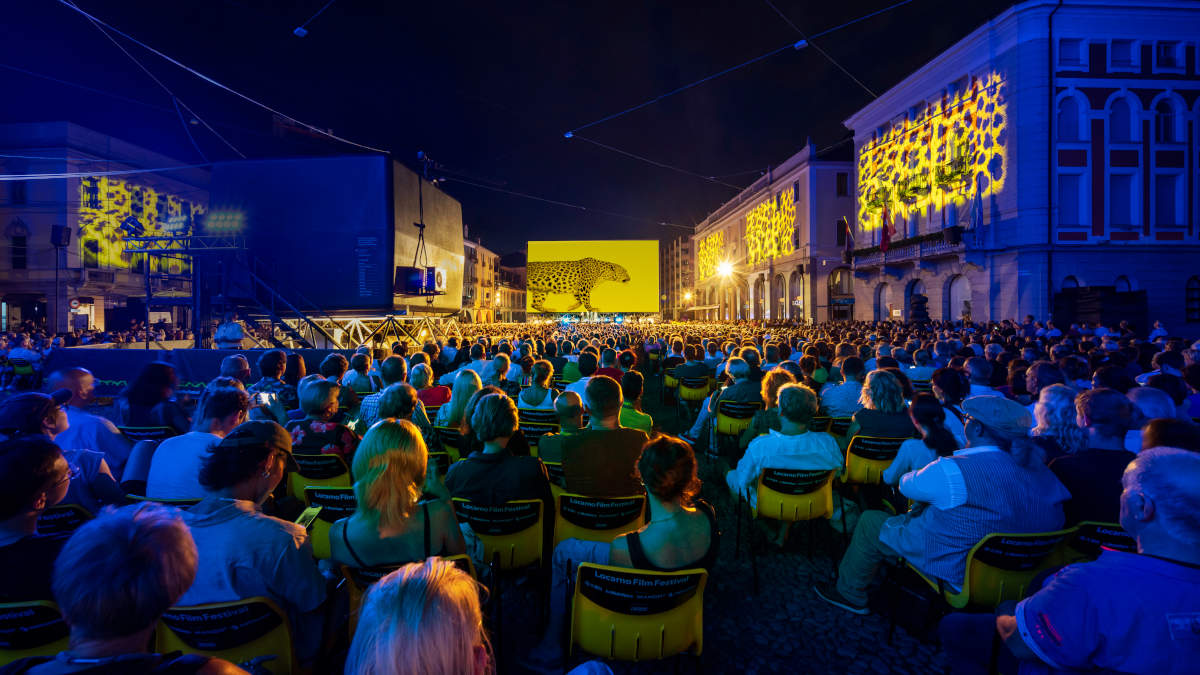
(980, 371)
(175, 466)
(477, 364)
(792, 447)
(936, 440)
(86, 431)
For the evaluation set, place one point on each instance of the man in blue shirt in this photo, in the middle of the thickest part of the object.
(1125, 612)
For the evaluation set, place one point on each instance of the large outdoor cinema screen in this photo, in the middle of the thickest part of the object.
(592, 276)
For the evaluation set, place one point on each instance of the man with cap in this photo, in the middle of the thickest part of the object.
(998, 483)
(245, 553)
(36, 414)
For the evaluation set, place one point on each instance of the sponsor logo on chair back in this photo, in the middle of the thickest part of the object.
(335, 503)
(794, 481)
(214, 629)
(61, 521)
(497, 520)
(320, 466)
(30, 625)
(637, 593)
(1016, 552)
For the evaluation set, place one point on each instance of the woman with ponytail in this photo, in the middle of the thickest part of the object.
(936, 440)
(391, 525)
(951, 386)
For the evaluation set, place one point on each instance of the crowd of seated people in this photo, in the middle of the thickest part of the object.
(998, 429)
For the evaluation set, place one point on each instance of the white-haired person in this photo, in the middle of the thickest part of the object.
(390, 524)
(741, 389)
(319, 433)
(113, 580)
(1055, 430)
(792, 446)
(884, 413)
(1124, 612)
(999, 483)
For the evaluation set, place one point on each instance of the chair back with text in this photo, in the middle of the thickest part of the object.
(336, 503)
(34, 628)
(794, 494)
(359, 579)
(511, 532)
(62, 520)
(868, 456)
(238, 631)
(922, 386)
(318, 470)
(733, 417)
(669, 380)
(536, 423)
(597, 518)
(431, 412)
(156, 434)
(838, 426)
(181, 504)
(1089, 538)
(637, 615)
(693, 389)
(451, 440)
(819, 423)
(1000, 567)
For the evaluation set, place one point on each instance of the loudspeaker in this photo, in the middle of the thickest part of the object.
(60, 236)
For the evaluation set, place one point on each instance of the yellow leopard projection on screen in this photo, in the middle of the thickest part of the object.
(111, 209)
(709, 254)
(769, 228)
(939, 156)
(594, 276)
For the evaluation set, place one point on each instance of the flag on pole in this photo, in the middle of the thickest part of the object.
(886, 238)
(849, 237)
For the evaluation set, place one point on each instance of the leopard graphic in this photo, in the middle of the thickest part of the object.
(571, 277)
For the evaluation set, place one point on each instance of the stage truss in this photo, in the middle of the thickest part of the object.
(352, 332)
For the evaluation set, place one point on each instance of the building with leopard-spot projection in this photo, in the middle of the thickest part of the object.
(774, 251)
(1045, 164)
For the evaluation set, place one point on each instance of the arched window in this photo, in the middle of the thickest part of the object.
(1122, 284)
(1070, 282)
(1164, 123)
(1192, 300)
(1120, 121)
(1068, 119)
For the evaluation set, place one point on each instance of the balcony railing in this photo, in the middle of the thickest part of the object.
(926, 246)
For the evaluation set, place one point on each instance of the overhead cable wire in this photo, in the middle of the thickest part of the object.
(59, 159)
(822, 52)
(174, 99)
(568, 205)
(799, 44)
(710, 179)
(91, 174)
(302, 29)
(224, 87)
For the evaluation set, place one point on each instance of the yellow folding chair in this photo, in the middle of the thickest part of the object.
(1088, 538)
(692, 392)
(251, 630)
(34, 628)
(789, 496)
(319, 470)
(637, 615)
(999, 568)
(820, 423)
(597, 518)
(733, 418)
(867, 457)
(359, 579)
(511, 532)
(62, 520)
(451, 440)
(336, 503)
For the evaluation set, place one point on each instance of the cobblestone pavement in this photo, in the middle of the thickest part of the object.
(785, 628)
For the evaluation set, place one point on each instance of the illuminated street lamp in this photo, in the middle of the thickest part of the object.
(725, 269)
(687, 296)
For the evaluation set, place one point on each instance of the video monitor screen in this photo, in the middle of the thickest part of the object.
(592, 276)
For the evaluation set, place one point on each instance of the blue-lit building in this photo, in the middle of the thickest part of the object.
(88, 214)
(1046, 164)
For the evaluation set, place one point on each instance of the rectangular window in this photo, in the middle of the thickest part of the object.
(1166, 191)
(841, 233)
(90, 252)
(20, 252)
(1166, 55)
(19, 193)
(1068, 200)
(1122, 53)
(1070, 52)
(843, 184)
(1120, 200)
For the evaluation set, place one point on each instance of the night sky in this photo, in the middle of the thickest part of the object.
(487, 90)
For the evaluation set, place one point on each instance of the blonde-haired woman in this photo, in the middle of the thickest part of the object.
(391, 525)
(884, 413)
(495, 374)
(466, 383)
(1057, 432)
(765, 420)
(421, 618)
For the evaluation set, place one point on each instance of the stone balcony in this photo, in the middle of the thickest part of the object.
(912, 250)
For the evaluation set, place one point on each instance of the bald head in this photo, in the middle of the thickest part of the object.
(79, 381)
(569, 409)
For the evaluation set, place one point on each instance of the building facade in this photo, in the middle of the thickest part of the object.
(62, 245)
(676, 279)
(481, 271)
(1051, 151)
(510, 290)
(768, 254)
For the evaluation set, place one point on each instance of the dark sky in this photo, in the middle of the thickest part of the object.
(487, 89)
